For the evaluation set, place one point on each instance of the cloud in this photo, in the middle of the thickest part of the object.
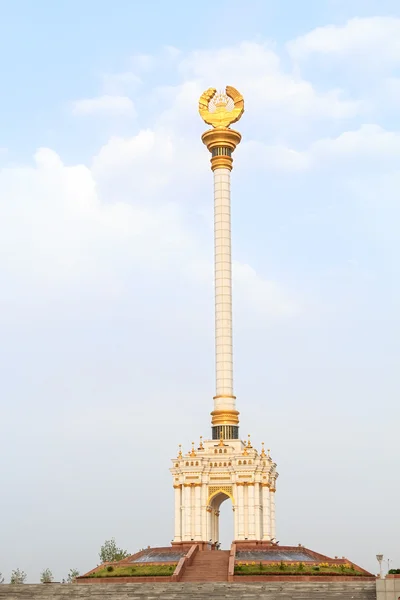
(369, 147)
(368, 142)
(66, 228)
(257, 71)
(375, 37)
(104, 106)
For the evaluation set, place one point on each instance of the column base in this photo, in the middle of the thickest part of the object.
(244, 544)
(187, 545)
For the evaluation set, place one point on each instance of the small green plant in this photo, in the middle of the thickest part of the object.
(17, 577)
(72, 575)
(110, 568)
(315, 568)
(394, 571)
(109, 552)
(46, 576)
(282, 566)
(301, 566)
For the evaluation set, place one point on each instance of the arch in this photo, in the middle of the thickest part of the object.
(216, 497)
(225, 491)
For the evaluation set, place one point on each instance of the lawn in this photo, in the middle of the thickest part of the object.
(295, 569)
(135, 571)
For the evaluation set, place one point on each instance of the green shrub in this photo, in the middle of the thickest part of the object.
(394, 571)
(110, 568)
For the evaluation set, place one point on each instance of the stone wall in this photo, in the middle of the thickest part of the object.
(389, 588)
(186, 591)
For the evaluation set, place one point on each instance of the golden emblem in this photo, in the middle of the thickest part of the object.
(221, 109)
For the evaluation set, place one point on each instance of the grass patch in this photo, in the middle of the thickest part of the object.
(300, 568)
(136, 571)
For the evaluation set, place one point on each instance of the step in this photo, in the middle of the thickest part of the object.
(194, 591)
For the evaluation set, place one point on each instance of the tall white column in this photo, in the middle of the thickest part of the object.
(221, 142)
(257, 513)
(266, 513)
(251, 513)
(210, 521)
(197, 531)
(188, 512)
(178, 516)
(240, 509)
(223, 291)
(204, 514)
(272, 502)
(246, 511)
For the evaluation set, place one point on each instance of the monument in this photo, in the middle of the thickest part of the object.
(224, 467)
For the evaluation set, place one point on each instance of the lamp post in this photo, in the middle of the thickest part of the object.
(379, 558)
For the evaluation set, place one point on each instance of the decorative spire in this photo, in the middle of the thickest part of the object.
(201, 447)
(193, 453)
(269, 453)
(249, 442)
(180, 451)
(263, 455)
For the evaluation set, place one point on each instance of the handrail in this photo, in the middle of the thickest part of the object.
(231, 564)
(184, 562)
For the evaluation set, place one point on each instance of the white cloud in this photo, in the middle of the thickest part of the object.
(375, 37)
(370, 146)
(54, 226)
(63, 227)
(255, 69)
(369, 141)
(106, 105)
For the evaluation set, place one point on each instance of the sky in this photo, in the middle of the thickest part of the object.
(106, 268)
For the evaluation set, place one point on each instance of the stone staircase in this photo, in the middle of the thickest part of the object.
(352, 590)
(208, 566)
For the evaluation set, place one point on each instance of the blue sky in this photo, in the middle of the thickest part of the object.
(106, 320)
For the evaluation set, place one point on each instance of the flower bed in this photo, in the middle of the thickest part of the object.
(286, 568)
(137, 570)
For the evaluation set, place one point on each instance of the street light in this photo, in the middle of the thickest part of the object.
(379, 558)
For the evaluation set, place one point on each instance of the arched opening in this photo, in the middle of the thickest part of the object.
(221, 532)
(226, 525)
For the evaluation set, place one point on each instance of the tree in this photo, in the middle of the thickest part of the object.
(109, 552)
(72, 575)
(1, 578)
(46, 576)
(17, 576)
